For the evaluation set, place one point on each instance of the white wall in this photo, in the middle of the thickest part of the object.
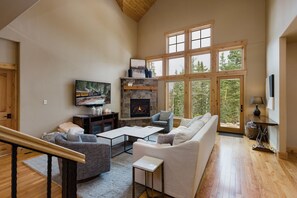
(291, 95)
(234, 20)
(280, 14)
(64, 40)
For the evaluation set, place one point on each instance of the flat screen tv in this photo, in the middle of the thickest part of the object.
(89, 93)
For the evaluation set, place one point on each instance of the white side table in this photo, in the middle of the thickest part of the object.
(149, 165)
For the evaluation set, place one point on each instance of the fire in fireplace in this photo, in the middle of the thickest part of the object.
(139, 107)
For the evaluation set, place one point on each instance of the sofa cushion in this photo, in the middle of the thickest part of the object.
(73, 138)
(186, 133)
(197, 125)
(180, 129)
(165, 139)
(164, 115)
(185, 122)
(193, 120)
(160, 122)
(206, 117)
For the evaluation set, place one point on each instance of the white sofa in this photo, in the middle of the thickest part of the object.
(184, 163)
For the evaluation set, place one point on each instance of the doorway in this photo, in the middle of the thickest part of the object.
(8, 102)
(230, 104)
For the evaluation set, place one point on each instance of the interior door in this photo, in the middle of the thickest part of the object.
(230, 104)
(7, 104)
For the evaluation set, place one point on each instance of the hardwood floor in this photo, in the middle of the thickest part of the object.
(233, 170)
(30, 183)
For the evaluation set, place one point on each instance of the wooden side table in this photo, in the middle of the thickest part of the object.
(262, 123)
(149, 165)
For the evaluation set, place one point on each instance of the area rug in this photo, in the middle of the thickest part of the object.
(115, 183)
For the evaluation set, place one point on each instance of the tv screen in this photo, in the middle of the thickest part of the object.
(88, 93)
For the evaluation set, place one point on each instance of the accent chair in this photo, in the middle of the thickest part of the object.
(163, 119)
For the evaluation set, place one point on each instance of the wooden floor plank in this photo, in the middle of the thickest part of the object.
(252, 174)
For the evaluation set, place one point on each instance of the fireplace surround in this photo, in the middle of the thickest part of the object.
(139, 108)
(142, 89)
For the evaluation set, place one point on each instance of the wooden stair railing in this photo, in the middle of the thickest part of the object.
(69, 157)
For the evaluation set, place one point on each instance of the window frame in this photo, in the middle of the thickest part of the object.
(183, 32)
(189, 76)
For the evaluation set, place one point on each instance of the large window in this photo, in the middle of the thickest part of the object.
(193, 67)
(176, 43)
(200, 63)
(156, 66)
(200, 97)
(230, 60)
(200, 38)
(176, 66)
(175, 100)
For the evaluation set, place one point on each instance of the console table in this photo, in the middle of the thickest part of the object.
(262, 123)
(94, 124)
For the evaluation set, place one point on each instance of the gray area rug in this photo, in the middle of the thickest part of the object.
(117, 183)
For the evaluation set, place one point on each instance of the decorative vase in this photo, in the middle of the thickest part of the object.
(94, 110)
(146, 72)
(130, 72)
(149, 73)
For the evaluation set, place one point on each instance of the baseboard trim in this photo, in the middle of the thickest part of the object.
(282, 155)
(292, 149)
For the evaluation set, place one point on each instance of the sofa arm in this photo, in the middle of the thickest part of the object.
(179, 166)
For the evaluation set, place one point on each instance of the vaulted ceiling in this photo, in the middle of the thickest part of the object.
(135, 9)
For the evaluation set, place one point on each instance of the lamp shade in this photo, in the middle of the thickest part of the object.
(256, 100)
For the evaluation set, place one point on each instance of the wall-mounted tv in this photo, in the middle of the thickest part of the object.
(89, 93)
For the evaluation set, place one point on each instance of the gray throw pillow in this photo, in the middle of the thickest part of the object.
(165, 138)
(164, 115)
(73, 138)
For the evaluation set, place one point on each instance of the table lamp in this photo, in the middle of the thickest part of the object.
(257, 100)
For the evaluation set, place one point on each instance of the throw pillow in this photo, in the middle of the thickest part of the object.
(164, 115)
(73, 138)
(76, 130)
(182, 137)
(165, 139)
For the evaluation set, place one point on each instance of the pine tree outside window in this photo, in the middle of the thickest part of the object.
(230, 60)
(200, 63)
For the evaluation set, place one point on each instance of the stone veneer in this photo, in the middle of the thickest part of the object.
(139, 93)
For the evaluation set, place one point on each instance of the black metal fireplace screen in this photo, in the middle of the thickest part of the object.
(140, 107)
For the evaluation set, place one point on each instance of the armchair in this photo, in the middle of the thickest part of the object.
(163, 119)
(97, 154)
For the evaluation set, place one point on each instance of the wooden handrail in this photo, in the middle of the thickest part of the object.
(30, 142)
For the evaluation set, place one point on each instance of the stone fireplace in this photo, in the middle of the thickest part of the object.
(143, 92)
(139, 108)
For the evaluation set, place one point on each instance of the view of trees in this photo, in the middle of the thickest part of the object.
(229, 90)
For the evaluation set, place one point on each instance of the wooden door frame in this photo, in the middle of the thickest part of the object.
(15, 96)
(241, 128)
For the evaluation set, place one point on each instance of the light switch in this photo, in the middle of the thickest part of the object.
(45, 102)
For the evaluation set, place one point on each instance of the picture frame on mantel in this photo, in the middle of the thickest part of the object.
(137, 63)
(137, 67)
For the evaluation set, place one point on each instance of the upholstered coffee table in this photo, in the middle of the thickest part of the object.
(127, 132)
